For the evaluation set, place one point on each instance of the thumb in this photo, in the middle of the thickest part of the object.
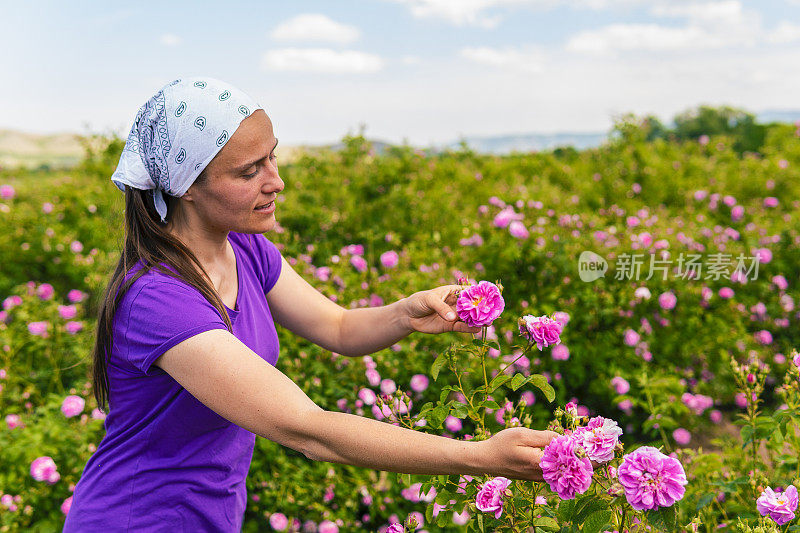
(441, 308)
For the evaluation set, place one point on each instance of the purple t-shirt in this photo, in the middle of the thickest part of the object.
(168, 462)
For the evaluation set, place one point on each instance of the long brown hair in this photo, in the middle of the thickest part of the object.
(146, 239)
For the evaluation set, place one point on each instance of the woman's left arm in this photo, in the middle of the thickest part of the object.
(300, 308)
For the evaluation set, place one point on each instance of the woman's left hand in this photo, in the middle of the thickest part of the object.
(434, 311)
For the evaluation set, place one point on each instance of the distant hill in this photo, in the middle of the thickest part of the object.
(58, 150)
(63, 150)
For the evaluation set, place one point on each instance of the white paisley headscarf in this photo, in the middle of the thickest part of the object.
(177, 133)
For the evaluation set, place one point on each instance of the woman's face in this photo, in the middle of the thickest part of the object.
(242, 176)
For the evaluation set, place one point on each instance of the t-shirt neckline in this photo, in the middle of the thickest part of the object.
(238, 281)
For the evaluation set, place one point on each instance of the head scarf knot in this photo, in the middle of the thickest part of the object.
(176, 133)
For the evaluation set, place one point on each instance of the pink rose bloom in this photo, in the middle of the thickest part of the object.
(47, 207)
(565, 472)
(326, 526)
(542, 330)
(72, 406)
(98, 414)
(359, 263)
(479, 305)
(667, 300)
(682, 436)
(11, 302)
(76, 247)
(43, 468)
(75, 296)
(770, 201)
(388, 386)
(741, 400)
(764, 255)
(67, 311)
(419, 382)
(599, 438)
(700, 195)
(729, 200)
(367, 396)
(561, 317)
(780, 282)
(453, 424)
(38, 328)
(490, 496)
(698, 403)
(390, 259)
(13, 421)
(651, 479)
(560, 353)
(737, 213)
(73, 326)
(726, 292)
(763, 337)
(642, 293)
(796, 360)
(645, 239)
(626, 406)
(715, 416)
(621, 385)
(631, 337)
(7, 192)
(779, 506)
(517, 229)
(45, 291)
(65, 506)
(353, 249)
(703, 140)
(504, 217)
(395, 528)
(322, 273)
(278, 521)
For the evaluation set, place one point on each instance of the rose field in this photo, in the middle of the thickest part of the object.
(647, 293)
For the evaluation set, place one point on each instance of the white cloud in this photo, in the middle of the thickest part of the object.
(474, 12)
(708, 25)
(315, 27)
(169, 39)
(647, 37)
(464, 12)
(785, 32)
(321, 60)
(411, 60)
(508, 58)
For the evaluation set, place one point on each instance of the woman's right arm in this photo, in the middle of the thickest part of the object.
(233, 381)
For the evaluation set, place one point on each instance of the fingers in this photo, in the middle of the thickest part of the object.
(436, 302)
(540, 439)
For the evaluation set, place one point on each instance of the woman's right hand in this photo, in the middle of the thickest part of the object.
(515, 453)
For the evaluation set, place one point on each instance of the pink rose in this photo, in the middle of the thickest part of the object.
(389, 259)
(72, 406)
(67, 311)
(490, 496)
(43, 468)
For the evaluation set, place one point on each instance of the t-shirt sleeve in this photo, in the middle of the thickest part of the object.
(160, 314)
(270, 259)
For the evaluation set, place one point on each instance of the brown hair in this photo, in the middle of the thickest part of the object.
(146, 239)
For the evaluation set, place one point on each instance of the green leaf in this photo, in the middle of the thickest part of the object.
(586, 506)
(704, 500)
(429, 513)
(565, 509)
(540, 382)
(437, 365)
(597, 522)
(545, 522)
(490, 404)
(480, 523)
(517, 381)
(498, 381)
(663, 519)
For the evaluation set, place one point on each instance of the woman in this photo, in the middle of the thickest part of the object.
(186, 342)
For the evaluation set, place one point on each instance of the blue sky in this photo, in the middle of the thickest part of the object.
(425, 71)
